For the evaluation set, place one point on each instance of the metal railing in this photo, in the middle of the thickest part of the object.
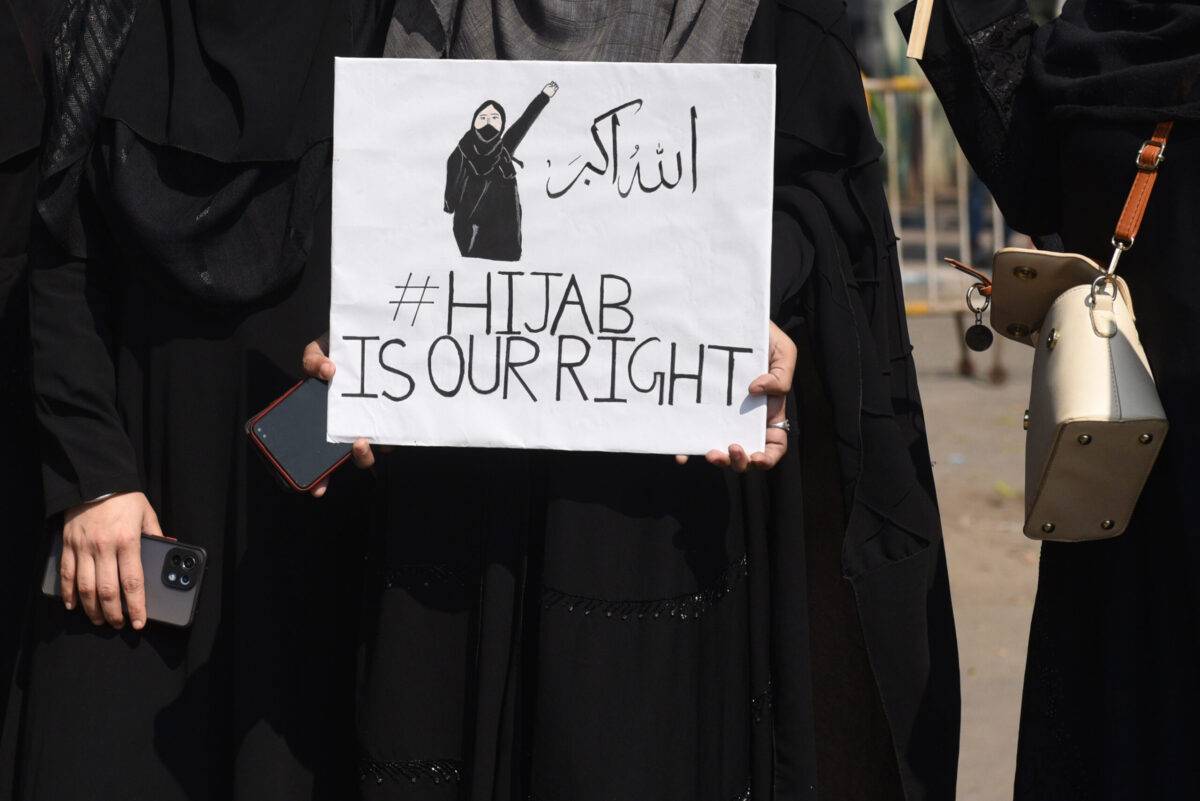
(916, 178)
(927, 170)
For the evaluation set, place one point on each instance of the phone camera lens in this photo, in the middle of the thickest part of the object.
(189, 562)
(175, 560)
(185, 580)
(172, 576)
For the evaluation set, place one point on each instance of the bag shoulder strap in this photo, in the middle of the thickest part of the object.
(1149, 158)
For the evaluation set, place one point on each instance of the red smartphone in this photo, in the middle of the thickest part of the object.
(290, 434)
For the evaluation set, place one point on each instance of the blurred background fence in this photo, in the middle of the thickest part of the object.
(939, 208)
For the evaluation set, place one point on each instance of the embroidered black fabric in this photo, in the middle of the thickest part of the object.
(423, 575)
(681, 607)
(85, 41)
(414, 771)
(744, 795)
(437, 772)
(760, 705)
(1000, 52)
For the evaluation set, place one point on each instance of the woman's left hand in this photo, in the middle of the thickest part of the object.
(776, 383)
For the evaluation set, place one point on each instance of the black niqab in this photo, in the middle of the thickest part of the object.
(484, 153)
(206, 126)
(233, 81)
(1121, 59)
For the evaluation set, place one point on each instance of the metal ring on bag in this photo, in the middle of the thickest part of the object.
(1091, 303)
(1102, 279)
(987, 299)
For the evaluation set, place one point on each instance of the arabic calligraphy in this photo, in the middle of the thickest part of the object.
(608, 161)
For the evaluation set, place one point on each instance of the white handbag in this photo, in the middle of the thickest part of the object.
(1095, 424)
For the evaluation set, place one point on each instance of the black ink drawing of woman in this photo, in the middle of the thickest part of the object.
(481, 181)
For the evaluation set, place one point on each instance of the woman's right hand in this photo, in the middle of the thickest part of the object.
(101, 559)
(317, 364)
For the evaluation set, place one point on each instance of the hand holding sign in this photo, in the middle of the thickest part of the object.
(317, 364)
(776, 383)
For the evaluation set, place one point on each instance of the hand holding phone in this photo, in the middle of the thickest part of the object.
(290, 434)
(173, 575)
(100, 561)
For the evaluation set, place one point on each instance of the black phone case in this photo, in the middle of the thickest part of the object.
(173, 603)
(290, 434)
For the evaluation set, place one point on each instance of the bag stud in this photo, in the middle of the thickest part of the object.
(1085, 439)
(1048, 528)
(1024, 273)
(1146, 439)
(1107, 525)
(1018, 331)
(1025, 421)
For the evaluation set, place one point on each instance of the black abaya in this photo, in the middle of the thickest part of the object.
(1111, 696)
(21, 108)
(171, 295)
(254, 701)
(633, 630)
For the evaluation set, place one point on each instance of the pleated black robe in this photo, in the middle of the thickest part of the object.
(1111, 696)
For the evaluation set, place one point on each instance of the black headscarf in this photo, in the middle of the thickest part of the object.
(234, 80)
(207, 127)
(1121, 59)
(483, 154)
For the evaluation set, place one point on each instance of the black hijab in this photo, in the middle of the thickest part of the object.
(1121, 59)
(205, 125)
(484, 153)
(235, 80)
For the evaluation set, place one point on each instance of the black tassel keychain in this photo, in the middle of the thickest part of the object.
(978, 337)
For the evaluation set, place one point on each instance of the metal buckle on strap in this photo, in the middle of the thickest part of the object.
(1119, 247)
(1159, 158)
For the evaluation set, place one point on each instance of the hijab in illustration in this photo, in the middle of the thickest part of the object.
(481, 181)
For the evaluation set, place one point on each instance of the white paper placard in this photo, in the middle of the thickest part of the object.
(561, 283)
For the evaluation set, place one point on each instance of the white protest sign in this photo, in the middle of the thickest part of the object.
(552, 255)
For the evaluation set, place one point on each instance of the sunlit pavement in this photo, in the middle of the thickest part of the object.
(978, 451)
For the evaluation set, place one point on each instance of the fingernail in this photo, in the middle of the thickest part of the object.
(69, 605)
(137, 625)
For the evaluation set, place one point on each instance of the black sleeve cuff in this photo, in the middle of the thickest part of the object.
(63, 494)
(791, 263)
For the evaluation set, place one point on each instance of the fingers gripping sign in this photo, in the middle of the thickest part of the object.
(317, 364)
(775, 384)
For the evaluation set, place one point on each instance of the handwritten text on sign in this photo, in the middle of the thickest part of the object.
(550, 255)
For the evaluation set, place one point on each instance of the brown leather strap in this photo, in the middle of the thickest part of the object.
(1150, 157)
(984, 283)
